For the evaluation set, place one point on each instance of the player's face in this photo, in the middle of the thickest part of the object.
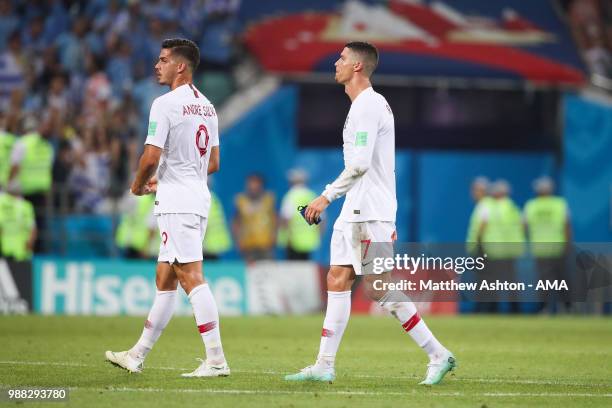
(166, 67)
(344, 66)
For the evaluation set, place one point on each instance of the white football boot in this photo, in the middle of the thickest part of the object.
(124, 360)
(208, 370)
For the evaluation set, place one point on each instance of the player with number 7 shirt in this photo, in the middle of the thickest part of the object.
(181, 150)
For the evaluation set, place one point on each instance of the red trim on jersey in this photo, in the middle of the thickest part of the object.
(195, 93)
(206, 327)
(410, 323)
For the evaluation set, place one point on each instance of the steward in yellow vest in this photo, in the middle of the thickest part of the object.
(17, 227)
(254, 225)
(34, 168)
(137, 233)
(31, 173)
(294, 233)
(547, 219)
(502, 235)
(501, 230)
(549, 231)
(217, 239)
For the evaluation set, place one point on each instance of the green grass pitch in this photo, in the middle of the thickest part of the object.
(503, 362)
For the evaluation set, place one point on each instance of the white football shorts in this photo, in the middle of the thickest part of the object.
(181, 237)
(356, 243)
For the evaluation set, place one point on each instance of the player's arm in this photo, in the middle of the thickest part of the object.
(358, 164)
(159, 126)
(146, 169)
(215, 160)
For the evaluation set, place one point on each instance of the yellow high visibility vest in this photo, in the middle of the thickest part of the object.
(256, 220)
(36, 167)
(546, 219)
(504, 236)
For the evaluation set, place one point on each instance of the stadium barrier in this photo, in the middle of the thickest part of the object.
(126, 287)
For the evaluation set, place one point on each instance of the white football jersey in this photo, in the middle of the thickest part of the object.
(369, 139)
(184, 124)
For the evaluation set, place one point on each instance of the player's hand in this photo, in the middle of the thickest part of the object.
(138, 191)
(151, 186)
(315, 208)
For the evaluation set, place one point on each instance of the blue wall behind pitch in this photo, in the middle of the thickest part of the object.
(587, 169)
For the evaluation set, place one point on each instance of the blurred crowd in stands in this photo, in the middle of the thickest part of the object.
(78, 73)
(591, 23)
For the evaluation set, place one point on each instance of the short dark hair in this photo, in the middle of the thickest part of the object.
(184, 48)
(367, 52)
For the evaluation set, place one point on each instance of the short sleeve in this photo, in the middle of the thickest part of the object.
(159, 125)
(214, 131)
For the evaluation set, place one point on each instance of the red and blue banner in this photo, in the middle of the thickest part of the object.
(505, 39)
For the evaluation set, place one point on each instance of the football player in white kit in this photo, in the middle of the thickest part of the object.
(181, 149)
(368, 215)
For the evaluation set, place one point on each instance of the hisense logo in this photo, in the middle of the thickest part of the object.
(89, 288)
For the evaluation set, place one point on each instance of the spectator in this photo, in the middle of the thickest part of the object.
(12, 71)
(62, 168)
(112, 22)
(119, 68)
(33, 38)
(295, 234)
(254, 224)
(9, 22)
(74, 45)
(97, 91)
(90, 178)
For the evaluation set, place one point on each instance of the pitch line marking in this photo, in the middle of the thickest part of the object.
(465, 379)
(340, 392)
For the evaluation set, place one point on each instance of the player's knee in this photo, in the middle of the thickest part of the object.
(369, 287)
(165, 283)
(189, 281)
(337, 283)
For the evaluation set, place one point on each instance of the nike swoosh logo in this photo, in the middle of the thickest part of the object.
(366, 264)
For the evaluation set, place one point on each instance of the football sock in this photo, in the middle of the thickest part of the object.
(207, 320)
(159, 316)
(336, 319)
(402, 308)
